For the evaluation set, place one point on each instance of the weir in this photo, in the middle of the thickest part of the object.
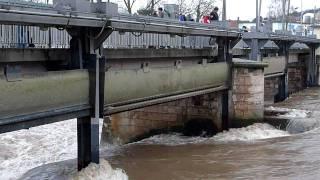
(141, 74)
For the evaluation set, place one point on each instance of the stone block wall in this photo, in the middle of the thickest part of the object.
(297, 76)
(271, 89)
(247, 93)
(134, 125)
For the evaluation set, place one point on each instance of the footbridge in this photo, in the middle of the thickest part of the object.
(144, 73)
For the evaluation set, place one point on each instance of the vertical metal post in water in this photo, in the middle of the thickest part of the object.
(283, 81)
(226, 123)
(88, 127)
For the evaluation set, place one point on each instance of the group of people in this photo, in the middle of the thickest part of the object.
(213, 16)
(183, 17)
(206, 19)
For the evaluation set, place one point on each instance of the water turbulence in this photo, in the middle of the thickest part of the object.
(196, 151)
(48, 152)
(251, 133)
(299, 121)
(103, 171)
(256, 131)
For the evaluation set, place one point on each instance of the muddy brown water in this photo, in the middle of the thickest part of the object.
(256, 152)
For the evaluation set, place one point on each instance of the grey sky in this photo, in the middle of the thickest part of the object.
(245, 9)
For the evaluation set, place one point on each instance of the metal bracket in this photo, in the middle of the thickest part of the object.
(204, 62)
(13, 73)
(101, 37)
(178, 64)
(145, 67)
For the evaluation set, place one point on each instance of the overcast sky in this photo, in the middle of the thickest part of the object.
(245, 9)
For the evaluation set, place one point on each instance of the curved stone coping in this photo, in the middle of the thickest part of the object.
(236, 62)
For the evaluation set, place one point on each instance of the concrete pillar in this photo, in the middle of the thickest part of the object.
(247, 92)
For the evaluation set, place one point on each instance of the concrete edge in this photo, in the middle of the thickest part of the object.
(248, 63)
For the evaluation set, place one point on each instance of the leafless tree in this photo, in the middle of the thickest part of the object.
(202, 7)
(281, 10)
(129, 5)
(275, 9)
(152, 4)
(149, 9)
(185, 7)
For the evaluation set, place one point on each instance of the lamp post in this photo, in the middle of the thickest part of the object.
(224, 14)
(257, 16)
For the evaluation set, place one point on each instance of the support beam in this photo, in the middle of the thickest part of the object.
(283, 83)
(255, 50)
(283, 88)
(86, 148)
(225, 110)
(88, 127)
(312, 67)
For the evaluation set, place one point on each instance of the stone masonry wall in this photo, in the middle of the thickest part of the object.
(247, 95)
(133, 125)
(296, 77)
(297, 73)
(271, 89)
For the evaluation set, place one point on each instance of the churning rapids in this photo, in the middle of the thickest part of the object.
(260, 151)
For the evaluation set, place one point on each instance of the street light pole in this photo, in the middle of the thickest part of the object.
(224, 15)
(257, 16)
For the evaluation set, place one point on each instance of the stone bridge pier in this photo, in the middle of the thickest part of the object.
(240, 105)
(171, 116)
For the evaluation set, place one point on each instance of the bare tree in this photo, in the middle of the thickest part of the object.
(128, 5)
(281, 10)
(185, 7)
(275, 9)
(202, 7)
(149, 8)
(152, 4)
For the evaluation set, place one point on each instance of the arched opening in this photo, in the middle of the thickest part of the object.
(200, 127)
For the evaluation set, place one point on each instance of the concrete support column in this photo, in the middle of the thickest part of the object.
(247, 92)
(312, 67)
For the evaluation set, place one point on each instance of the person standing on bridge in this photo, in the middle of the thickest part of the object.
(160, 12)
(214, 15)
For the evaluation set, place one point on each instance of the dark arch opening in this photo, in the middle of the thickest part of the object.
(200, 127)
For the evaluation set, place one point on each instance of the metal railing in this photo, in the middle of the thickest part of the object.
(21, 36)
(18, 36)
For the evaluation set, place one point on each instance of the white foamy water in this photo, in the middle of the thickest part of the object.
(103, 171)
(173, 139)
(24, 150)
(256, 131)
(291, 113)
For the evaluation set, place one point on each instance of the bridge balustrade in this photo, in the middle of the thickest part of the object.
(19, 36)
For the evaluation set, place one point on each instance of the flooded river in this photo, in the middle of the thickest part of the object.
(260, 151)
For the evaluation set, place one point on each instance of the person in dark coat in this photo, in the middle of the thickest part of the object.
(214, 14)
(182, 17)
(160, 12)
